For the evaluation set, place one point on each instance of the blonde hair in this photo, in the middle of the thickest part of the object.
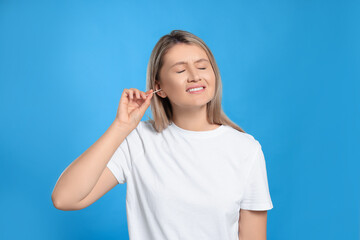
(160, 107)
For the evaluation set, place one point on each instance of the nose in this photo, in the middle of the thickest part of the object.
(194, 74)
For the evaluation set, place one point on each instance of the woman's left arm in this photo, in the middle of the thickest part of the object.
(252, 225)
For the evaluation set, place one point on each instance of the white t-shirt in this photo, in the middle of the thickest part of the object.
(186, 185)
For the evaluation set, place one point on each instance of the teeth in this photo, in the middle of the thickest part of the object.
(195, 89)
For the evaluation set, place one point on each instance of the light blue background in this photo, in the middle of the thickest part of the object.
(290, 72)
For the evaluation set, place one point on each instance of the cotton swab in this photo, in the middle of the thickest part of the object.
(154, 92)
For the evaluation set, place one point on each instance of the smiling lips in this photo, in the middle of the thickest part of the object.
(196, 89)
(195, 86)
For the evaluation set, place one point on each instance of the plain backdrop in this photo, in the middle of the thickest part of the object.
(290, 72)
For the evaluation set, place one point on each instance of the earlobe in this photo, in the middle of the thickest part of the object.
(161, 94)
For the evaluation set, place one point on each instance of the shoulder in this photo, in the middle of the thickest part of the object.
(140, 134)
(146, 128)
(241, 136)
(245, 142)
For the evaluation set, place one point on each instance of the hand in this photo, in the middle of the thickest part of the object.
(132, 107)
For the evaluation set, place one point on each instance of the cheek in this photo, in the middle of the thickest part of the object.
(209, 73)
(174, 85)
(174, 82)
(210, 76)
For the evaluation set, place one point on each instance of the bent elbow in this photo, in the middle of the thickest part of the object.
(56, 203)
(61, 205)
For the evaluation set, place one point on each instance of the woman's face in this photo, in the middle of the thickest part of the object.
(186, 66)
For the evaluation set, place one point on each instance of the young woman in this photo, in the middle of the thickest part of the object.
(191, 172)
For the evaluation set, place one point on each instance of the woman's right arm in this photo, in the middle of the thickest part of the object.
(87, 178)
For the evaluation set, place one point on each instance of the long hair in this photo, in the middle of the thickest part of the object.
(160, 107)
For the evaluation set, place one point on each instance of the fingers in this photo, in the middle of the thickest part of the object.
(146, 104)
(134, 94)
(150, 92)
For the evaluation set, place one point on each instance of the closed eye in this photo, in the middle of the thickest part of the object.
(184, 70)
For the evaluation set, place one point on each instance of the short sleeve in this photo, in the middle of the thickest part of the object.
(120, 163)
(256, 193)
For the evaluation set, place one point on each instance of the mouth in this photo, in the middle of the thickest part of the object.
(196, 89)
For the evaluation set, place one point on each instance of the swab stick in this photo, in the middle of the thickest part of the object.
(153, 92)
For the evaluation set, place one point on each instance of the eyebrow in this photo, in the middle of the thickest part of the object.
(182, 62)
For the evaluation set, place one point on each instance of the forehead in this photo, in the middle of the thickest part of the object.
(184, 52)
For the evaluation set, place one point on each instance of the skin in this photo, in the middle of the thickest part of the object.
(190, 111)
(252, 225)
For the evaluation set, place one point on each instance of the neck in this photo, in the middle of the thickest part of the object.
(193, 119)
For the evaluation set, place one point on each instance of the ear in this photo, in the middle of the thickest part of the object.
(160, 93)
